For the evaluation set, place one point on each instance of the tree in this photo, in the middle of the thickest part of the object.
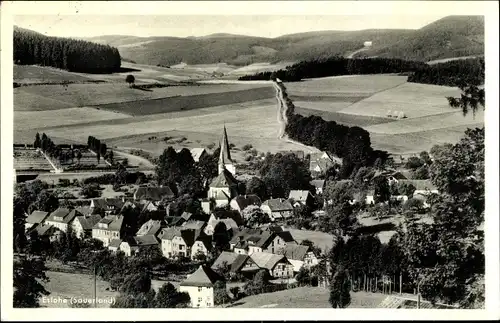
(29, 274)
(414, 205)
(303, 277)
(169, 297)
(221, 237)
(382, 190)
(78, 156)
(111, 156)
(38, 141)
(46, 201)
(471, 99)
(19, 237)
(220, 293)
(406, 189)
(130, 79)
(283, 173)
(137, 283)
(340, 289)
(254, 216)
(98, 155)
(91, 191)
(414, 162)
(421, 173)
(257, 186)
(315, 250)
(446, 262)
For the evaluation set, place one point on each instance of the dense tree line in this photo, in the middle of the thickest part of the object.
(69, 54)
(99, 148)
(352, 144)
(452, 73)
(337, 65)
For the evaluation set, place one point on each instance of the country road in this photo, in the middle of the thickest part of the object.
(351, 55)
(282, 120)
(139, 161)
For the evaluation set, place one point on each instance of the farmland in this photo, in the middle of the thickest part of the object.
(79, 95)
(365, 101)
(30, 159)
(127, 117)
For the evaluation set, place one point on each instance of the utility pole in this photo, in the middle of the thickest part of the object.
(95, 288)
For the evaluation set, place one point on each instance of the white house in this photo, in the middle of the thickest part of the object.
(277, 265)
(108, 228)
(240, 202)
(178, 242)
(62, 218)
(202, 245)
(133, 245)
(200, 287)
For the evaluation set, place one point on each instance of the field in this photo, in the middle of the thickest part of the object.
(306, 297)
(365, 100)
(53, 97)
(30, 159)
(320, 239)
(127, 118)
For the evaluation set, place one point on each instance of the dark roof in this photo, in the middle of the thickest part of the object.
(286, 236)
(245, 200)
(224, 179)
(37, 217)
(67, 215)
(45, 230)
(295, 251)
(88, 222)
(153, 193)
(189, 236)
(206, 240)
(146, 240)
(174, 220)
(258, 238)
(234, 260)
(277, 205)
(108, 203)
(204, 276)
(323, 163)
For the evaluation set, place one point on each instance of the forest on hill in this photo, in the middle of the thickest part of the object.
(452, 73)
(335, 66)
(31, 48)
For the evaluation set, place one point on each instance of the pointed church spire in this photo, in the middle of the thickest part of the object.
(225, 144)
(225, 160)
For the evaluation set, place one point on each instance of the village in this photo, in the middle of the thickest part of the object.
(235, 231)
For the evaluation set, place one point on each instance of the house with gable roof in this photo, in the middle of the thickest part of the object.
(202, 245)
(240, 202)
(277, 208)
(82, 225)
(151, 227)
(108, 228)
(108, 205)
(319, 185)
(300, 198)
(237, 263)
(35, 218)
(320, 163)
(62, 218)
(230, 224)
(200, 286)
(133, 245)
(179, 241)
(277, 265)
(299, 256)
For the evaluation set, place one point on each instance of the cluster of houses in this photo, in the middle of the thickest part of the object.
(251, 249)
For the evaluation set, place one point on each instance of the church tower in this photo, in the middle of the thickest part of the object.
(225, 161)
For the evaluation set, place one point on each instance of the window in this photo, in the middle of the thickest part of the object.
(200, 289)
(200, 299)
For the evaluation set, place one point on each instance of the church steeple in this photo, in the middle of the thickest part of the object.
(225, 161)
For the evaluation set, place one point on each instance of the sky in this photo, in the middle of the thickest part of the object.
(201, 25)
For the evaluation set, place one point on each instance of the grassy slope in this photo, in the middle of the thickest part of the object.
(307, 297)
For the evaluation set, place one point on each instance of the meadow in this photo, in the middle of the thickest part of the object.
(52, 97)
(307, 297)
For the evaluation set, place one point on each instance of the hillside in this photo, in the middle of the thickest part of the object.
(452, 36)
(448, 37)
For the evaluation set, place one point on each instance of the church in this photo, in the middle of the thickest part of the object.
(225, 186)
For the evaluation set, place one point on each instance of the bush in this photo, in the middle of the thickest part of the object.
(91, 191)
(248, 157)
(64, 182)
(247, 147)
(254, 152)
